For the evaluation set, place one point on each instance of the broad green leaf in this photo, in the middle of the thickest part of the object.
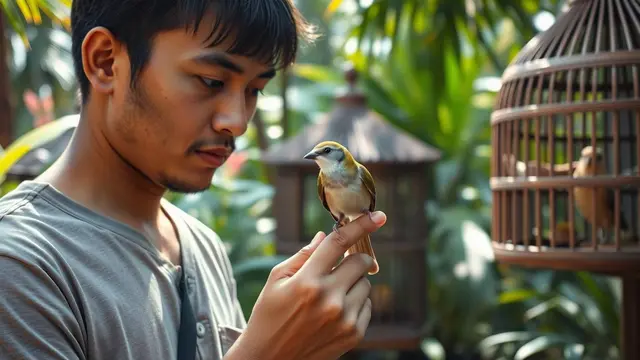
(541, 344)
(560, 302)
(504, 338)
(516, 295)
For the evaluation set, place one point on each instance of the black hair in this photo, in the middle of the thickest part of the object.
(268, 30)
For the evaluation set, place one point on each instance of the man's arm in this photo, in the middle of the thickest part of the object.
(36, 320)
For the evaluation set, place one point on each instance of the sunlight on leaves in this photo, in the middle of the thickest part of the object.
(332, 8)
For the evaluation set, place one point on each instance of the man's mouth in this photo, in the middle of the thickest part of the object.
(214, 157)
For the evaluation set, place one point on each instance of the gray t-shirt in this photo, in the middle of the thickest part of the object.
(77, 285)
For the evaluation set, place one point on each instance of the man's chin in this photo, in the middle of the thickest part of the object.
(186, 187)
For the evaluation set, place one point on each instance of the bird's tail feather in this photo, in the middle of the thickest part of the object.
(364, 246)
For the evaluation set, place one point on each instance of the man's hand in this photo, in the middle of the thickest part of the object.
(310, 309)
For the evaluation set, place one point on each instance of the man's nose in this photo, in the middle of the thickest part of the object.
(231, 116)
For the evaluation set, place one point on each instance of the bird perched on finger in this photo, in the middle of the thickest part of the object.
(346, 189)
(592, 163)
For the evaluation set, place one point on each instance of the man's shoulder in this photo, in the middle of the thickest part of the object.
(19, 208)
(24, 224)
(19, 200)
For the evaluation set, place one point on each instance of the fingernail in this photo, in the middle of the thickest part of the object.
(368, 259)
(378, 217)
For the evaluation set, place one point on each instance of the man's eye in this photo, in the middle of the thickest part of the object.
(211, 83)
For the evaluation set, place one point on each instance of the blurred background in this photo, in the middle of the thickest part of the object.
(427, 75)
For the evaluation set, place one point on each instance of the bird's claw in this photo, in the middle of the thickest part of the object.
(340, 223)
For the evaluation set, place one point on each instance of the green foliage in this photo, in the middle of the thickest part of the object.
(45, 67)
(427, 28)
(21, 13)
(564, 316)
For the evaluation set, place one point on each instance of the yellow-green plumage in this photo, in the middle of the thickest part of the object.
(346, 189)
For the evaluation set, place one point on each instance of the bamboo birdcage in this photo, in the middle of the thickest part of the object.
(573, 86)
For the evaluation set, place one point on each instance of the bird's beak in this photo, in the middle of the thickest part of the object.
(312, 155)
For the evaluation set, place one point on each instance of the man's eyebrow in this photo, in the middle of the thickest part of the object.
(221, 59)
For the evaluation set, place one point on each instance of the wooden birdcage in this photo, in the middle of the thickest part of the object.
(572, 87)
(398, 162)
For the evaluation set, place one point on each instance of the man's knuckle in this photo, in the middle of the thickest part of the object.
(308, 290)
(334, 310)
(349, 328)
(276, 270)
(342, 241)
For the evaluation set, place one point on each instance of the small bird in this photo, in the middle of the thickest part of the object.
(346, 189)
(604, 217)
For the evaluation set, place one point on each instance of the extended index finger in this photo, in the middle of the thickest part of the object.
(336, 244)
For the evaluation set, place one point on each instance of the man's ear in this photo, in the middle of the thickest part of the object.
(100, 49)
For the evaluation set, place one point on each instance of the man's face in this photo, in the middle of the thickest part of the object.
(190, 102)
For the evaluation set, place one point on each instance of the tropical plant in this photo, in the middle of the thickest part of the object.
(45, 68)
(23, 16)
(21, 13)
(565, 315)
(461, 25)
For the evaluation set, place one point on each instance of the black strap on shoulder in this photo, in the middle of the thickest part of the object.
(187, 330)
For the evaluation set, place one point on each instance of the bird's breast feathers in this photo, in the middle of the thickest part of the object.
(349, 200)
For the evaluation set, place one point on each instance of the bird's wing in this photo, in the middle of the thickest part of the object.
(369, 184)
(323, 197)
(611, 205)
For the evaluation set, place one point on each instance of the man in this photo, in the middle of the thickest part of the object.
(91, 257)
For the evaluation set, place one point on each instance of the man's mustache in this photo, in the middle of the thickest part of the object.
(227, 142)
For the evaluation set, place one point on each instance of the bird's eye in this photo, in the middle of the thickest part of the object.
(327, 150)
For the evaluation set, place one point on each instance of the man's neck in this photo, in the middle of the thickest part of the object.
(91, 173)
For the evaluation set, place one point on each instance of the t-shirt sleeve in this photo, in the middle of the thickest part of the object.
(36, 319)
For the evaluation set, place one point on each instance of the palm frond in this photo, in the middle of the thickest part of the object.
(20, 13)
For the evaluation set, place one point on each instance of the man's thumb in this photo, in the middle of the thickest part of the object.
(294, 263)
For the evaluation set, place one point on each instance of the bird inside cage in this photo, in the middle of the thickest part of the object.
(602, 216)
(585, 166)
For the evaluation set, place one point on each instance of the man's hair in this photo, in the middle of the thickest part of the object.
(267, 30)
